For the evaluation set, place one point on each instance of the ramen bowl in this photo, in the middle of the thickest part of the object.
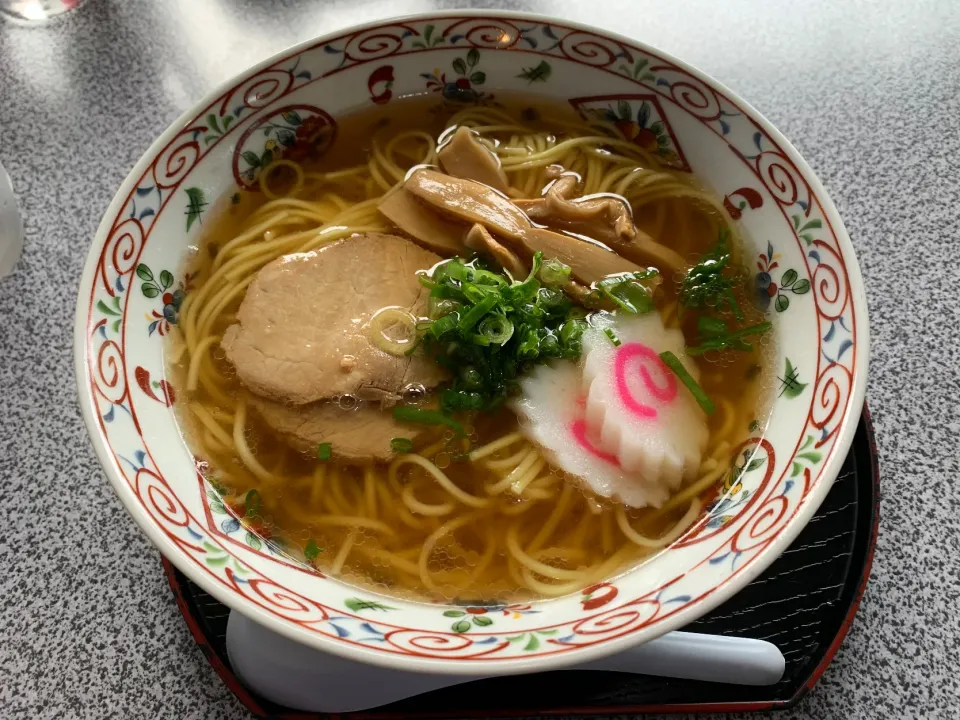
(807, 283)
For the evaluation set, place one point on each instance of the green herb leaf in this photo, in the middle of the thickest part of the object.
(711, 281)
(729, 340)
(311, 550)
(324, 451)
(401, 446)
(421, 416)
(252, 503)
(673, 362)
(628, 293)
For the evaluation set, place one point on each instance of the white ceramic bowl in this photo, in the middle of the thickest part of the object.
(801, 253)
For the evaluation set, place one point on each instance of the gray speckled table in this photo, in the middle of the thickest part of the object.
(867, 92)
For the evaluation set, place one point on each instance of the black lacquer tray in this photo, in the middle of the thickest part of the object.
(804, 603)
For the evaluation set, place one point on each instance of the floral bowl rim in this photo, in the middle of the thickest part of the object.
(841, 434)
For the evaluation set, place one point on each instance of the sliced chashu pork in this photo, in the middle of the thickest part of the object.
(301, 333)
(361, 434)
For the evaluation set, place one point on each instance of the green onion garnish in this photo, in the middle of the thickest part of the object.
(324, 451)
(673, 362)
(711, 327)
(252, 503)
(311, 551)
(401, 446)
(729, 340)
(472, 316)
(627, 291)
(497, 329)
(711, 281)
(421, 416)
(486, 328)
(613, 336)
(554, 274)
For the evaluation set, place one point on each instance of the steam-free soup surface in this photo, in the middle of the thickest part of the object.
(322, 469)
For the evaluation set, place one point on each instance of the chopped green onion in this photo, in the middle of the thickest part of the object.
(731, 340)
(710, 282)
(524, 290)
(311, 551)
(441, 307)
(673, 362)
(613, 336)
(627, 292)
(324, 451)
(422, 416)
(554, 274)
(710, 327)
(401, 446)
(486, 328)
(529, 347)
(456, 400)
(553, 302)
(444, 325)
(471, 377)
(472, 316)
(252, 503)
(497, 329)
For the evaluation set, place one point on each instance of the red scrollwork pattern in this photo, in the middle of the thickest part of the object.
(690, 93)
(120, 252)
(830, 286)
(159, 499)
(490, 33)
(439, 644)
(378, 43)
(110, 379)
(279, 600)
(256, 92)
(782, 179)
(590, 49)
(762, 525)
(177, 159)
(830, 396)
(619, 621)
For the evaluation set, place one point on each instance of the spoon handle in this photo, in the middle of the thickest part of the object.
(302, 678)
(696, 656)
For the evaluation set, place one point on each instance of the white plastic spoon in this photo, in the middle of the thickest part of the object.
(11, 226)
(302, 678)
